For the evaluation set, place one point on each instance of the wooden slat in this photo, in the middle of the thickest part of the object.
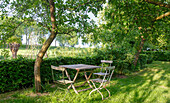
(106, 61)
(110, 68)
(57, 68)
(101, 74)
(98, 80)
(80, 66)
(84, 89)
(65, 81)
(87, 71)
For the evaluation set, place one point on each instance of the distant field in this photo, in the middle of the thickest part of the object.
(53, 51)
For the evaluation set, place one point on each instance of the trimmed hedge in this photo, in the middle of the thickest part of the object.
(19, 73)
(158, 55)
(16, 74)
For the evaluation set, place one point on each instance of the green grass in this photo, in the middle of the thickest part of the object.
(150, 85)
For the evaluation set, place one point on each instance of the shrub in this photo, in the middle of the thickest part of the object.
(142, 60)
(158, 55)
(16, 74)
(5, 53)
(121, 66)
(19, 73)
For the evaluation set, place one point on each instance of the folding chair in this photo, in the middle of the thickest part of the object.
(60, 77)
(103, 82)
(103, 62)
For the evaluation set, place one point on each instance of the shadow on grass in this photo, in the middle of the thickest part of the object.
(142, 87)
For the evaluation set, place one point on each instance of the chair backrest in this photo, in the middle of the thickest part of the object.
(106, 61)
(110, 71)
(108, 75)
(58, 69)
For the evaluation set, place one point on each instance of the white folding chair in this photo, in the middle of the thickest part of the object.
(103, 82)
(103, 62)
(60, 77)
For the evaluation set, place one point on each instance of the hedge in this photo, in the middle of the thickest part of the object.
(16, 74)
(19, 73)
(158, 55)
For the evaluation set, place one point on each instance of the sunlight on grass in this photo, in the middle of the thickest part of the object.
(150, 85)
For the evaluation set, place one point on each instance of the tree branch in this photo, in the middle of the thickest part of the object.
(89, 2)
(12, 32)
(68, 32)
(157, 18)
(18, 26)
(161, 16)
(41, 24)
(44, 26)
(158, 3)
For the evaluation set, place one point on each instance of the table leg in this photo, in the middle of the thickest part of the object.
(72, 85)
(87, 78)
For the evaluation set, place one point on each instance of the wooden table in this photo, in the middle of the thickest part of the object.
(80, 68)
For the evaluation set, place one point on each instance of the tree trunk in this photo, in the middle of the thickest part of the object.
(27, 37)
(55, 43)
(26, 34)
(28, 45)
(14, 49)
(139, 51)
(44, 49)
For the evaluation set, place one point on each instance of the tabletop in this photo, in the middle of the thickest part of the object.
(80, 66)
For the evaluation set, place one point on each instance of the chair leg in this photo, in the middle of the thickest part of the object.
(55, 92)
(74, 88)
(100, 93)
(92, 91)
(66, 93)
(107, 91)
(69, 91)
(97, 90)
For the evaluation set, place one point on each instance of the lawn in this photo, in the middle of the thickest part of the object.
(150, 85)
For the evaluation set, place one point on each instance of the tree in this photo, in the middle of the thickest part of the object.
(142, 16)
(67, 39)
(14, 44)
(7, 26)
(57, 16)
